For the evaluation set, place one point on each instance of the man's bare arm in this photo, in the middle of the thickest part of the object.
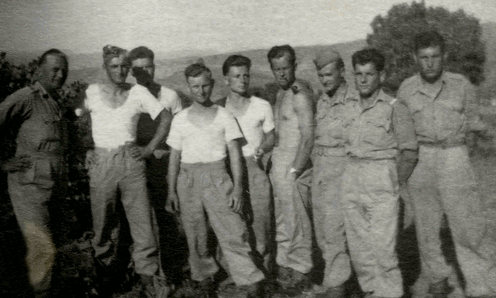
(268, 142)
(172, 204)
(162, 131)
(303, 106)
(234, 149)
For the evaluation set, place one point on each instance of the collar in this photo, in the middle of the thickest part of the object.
(381, 96)
(339, 96)
(39, 88)
(419, 83)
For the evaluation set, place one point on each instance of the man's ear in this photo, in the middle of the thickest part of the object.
(382, 76)
(414, 56)
(212, 81)
(226, 80)
(295, 65)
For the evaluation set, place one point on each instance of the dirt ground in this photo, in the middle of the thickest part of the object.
(76, 269)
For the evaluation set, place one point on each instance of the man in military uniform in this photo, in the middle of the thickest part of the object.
(329, 159)
(290, 169)
(37, 170)
(377, 130)
(444, 109)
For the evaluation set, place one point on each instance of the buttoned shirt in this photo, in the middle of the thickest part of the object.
(37, 119)
(379, 131)
(445, 117)
(40, 132)
(329, 118)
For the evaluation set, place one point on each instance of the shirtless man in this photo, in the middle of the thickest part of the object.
(256, 120)
(290, 169)
(199, 185)
(117, 163)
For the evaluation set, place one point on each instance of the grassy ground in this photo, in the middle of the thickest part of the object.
(13, 282)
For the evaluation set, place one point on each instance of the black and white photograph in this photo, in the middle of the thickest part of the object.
(247, 149)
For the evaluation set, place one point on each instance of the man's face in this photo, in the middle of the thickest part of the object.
(367, 79)
(283, 70)
(238, 79)
(201, 87)
(117, 69)
(330, 76)
(143, 70)
(430, 63)
(53, 72)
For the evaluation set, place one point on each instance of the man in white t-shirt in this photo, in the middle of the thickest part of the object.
(143, 69)
(118, 164)
(199, 186)
(256, 120)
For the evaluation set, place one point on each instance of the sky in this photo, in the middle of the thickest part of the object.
(184, 26)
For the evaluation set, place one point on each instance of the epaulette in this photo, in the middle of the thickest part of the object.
(301, 86)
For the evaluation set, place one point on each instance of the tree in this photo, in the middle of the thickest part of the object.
(393, 35)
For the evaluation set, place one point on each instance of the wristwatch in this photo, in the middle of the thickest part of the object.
(295, 171)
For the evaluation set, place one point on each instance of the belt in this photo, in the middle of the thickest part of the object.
(442, 145)
(215, 165)
(328, 151)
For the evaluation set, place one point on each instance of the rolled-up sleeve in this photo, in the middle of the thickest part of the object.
(472, 112)
(404, 127)
(148, 103)
(268, 123)
(14, 108)
(174, 140)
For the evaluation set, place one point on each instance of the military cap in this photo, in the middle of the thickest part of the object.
(326, 56)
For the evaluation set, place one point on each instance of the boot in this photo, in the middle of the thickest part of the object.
(334, 292)
(440, 289)
(147, 287)
(255, 290)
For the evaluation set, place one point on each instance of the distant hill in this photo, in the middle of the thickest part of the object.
(170, 66)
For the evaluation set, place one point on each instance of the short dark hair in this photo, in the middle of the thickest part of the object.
(280, 51)
(371, 55)
(428, 39)
(195, 70)
(235, 60)
(140, 53)
(52, 52)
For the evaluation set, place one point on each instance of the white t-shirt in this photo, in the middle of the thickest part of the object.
(257, 120)
(113, 127)
(203, 144)
(170, 100)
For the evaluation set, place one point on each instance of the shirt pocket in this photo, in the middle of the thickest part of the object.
(376, 130)
(40, 173)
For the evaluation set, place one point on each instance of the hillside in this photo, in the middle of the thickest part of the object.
(87, 67)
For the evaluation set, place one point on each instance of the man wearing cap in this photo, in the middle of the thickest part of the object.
(117, 164)
(378, 130)
(37, 172)
(444, 108)
(329, 159)
(291, 169)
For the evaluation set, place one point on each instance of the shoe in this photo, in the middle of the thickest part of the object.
(440, 289)
(147, 287)
(255, 290)
(300, 284)
(205, 288)
(334, 292)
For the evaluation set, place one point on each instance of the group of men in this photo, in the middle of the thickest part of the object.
(336, 170)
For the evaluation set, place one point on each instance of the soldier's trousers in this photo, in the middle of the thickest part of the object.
(30, 202)
(371, 206)
(293, 226)
(204, 190)
(115, 170)
(260, 213)
(328, 218)
(443, 182)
